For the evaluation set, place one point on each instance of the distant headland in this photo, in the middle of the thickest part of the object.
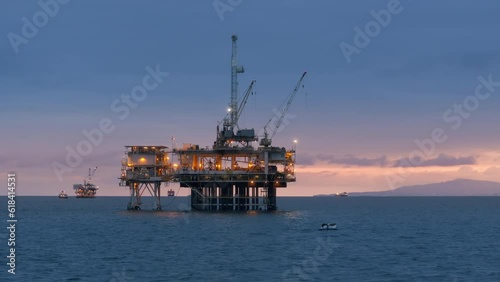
(457, 187)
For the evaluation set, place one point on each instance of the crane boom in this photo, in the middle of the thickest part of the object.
(92, 174)
(243, 102)
(285, 110)
(266, 141)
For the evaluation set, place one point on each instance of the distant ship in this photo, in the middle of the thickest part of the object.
(63, 195)
(343, 194)
(87, 189)
(171, 193)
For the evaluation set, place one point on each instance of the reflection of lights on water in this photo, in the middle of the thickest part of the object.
(294, 215)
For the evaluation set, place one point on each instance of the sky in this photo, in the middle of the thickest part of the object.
(397, 92)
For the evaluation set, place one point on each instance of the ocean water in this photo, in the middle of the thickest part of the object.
(378, 239)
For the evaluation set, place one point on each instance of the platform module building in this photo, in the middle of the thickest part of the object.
(238, 172)
(145, 168)
(234, 178)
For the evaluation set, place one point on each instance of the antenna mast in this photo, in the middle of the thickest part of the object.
(235, 70)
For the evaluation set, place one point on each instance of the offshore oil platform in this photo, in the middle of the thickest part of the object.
(87, 189)
(235, 174)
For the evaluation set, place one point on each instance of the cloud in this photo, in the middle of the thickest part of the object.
(441, 160)
(492, 170)
(306, 160)
(328, 173)
(466, 170)
(353, 160)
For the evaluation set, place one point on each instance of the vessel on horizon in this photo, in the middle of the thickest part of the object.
(63, 195)
(171, 193)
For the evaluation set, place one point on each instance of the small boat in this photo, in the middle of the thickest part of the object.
(171, 193)
(328, 226)
(343, 194)
(63, 195)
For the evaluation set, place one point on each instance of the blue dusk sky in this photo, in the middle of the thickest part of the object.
(397, 92)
